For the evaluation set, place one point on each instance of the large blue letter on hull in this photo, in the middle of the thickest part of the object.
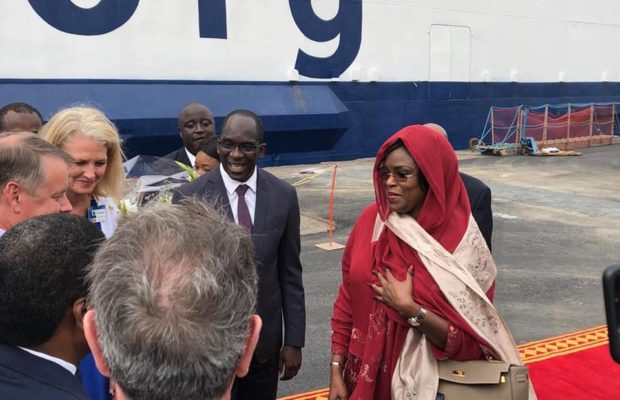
(65, 16)
(347, 23)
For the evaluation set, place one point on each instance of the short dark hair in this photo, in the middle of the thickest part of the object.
(250, 114)
(18, 108)
(209, 147)
(42, 272)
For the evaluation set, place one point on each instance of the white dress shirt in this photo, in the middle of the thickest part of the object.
(231, 187)
(192, 158)
(111, 215)
(66, 365)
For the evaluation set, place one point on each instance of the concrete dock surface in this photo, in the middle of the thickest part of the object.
(556, 227)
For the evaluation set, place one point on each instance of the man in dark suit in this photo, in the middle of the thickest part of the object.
(197, 310)
(479, 197)
(269, 209)
(480, 202)
(195, 125)
(42, 303)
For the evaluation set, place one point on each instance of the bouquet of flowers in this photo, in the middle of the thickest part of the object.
(152, 179)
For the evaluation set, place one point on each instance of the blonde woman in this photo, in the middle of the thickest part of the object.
(96, 176)
(96, 180)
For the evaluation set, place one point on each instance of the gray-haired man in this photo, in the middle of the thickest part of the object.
(172, 319)
(34, 177)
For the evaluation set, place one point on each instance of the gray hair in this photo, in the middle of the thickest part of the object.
(21, 159)
(173, 292)
(14, 137)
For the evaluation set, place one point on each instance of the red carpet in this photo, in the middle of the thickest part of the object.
(574, 366)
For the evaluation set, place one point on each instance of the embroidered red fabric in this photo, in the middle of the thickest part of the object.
(370, 333)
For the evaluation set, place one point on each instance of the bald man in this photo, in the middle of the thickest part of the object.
(195, 125)
(479, 196)
(20, 117)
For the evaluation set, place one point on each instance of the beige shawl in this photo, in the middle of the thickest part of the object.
(464, 278)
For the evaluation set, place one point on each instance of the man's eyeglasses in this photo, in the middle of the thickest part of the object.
(400, 175)
(243, 147)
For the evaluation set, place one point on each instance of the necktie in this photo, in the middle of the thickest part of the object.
(243, 213)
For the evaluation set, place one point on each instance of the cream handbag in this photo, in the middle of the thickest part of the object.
(482, 380)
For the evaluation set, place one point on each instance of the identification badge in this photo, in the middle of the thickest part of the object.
(97, 214)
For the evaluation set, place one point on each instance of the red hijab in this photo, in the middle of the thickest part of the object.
(445, 215)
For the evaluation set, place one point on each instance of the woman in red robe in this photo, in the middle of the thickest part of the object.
(415, 268)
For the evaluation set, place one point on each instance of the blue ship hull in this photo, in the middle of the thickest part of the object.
(305, 122)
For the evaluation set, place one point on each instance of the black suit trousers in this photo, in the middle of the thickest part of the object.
(261, 382)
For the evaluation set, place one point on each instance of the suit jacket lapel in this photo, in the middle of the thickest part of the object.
(182, 157)
(261, 209)
(216, 183)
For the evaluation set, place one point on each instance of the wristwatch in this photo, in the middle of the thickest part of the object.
(417, 319)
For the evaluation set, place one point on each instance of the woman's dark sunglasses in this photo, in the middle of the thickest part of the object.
(400, 175)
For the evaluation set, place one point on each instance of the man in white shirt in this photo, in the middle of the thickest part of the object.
(42, 269)
(34, 177)
(268, 208)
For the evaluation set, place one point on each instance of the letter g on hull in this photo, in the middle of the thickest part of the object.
(347, 23)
